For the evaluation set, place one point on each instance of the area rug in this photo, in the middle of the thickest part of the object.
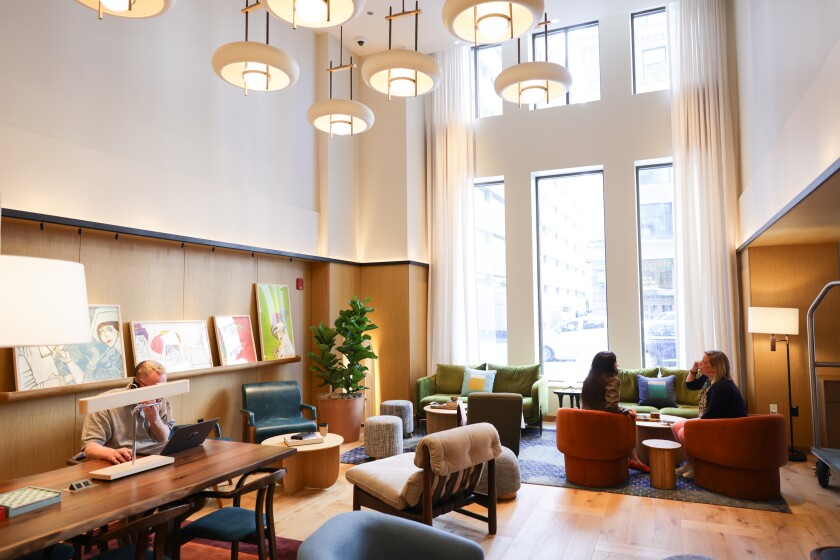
(541, 463)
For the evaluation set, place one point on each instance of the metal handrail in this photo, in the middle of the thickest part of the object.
(813, 364)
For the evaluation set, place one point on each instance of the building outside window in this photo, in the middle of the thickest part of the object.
(650, 51)
(657, 250)
(578, 49)
(572, 273)
(487, 64)
(490, 271)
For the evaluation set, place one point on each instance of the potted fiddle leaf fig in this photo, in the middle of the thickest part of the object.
(339, 363)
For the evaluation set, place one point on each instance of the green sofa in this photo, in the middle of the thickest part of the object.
(525, 380)
(687, 400)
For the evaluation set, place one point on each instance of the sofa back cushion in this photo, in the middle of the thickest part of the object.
(449, 378)
(630, 384)
(515, 379)
(684, 394)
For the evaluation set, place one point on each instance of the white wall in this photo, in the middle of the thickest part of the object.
(614, 133)
(125, 122)
(789, 85)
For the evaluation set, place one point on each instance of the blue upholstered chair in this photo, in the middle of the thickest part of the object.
(235, 524)
(370, 535)
(273, 409)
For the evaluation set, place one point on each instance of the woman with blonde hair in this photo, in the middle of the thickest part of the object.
(719, 396)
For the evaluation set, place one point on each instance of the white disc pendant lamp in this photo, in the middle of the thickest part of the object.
(529, 83)
(482, 23)
(135, 9)
(340, 117)
(255, 66)
(401, 72)
(315, 13)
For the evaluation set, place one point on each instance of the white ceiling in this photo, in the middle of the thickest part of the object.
(434, 37)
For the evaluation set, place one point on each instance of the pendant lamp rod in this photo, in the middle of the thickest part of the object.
(246, 11)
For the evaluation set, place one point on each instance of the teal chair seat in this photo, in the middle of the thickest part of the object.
(273, 409)
(229, 524)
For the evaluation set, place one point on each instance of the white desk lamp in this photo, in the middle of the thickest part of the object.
(130, 397)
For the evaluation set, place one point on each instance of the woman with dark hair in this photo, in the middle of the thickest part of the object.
(719, 396)
(601, 391)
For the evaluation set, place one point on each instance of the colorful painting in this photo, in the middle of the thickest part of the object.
(178, 345)
(101, 359)
(235, 339)
(275, 321)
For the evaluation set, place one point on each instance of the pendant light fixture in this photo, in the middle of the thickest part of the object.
(255, 66)
(402, 73)
(315, 13)
(136, 9)
(482, 23)
(341, 117)
(533, 82)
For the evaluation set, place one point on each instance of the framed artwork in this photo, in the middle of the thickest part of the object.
(101, 359)
(235, 339)
(178, 345)
(274, 321)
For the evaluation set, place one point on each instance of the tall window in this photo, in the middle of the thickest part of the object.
(572, 273)
(491, 275)
(487, 64)
(657, 250)
(650, 51)
(577, 48)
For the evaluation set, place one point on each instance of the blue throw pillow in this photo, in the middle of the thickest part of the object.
(657, 392)
(477, 380)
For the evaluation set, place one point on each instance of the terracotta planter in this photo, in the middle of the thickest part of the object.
(343, 415)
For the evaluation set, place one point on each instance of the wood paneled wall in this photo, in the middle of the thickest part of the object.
(790, 276)
(160, 280)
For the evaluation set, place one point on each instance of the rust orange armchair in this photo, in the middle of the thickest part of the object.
(595, 445)
(738, 457)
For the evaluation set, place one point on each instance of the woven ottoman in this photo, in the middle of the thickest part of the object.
(402, 409)
(383, 436)
(508, 479)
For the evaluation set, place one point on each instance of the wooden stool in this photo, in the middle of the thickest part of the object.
(662, 455)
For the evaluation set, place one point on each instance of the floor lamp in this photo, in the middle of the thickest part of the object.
(773, 321)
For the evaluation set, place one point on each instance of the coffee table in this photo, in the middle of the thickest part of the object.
(573, 394)
(654, 429)
(313, 466)
(662, 459)
(439, 419)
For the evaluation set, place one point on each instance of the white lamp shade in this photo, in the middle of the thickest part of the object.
(460, 16)
(533, 75)
(42, 302)
(340, 116)
(341, 11)
(133, 396)
(231, 60)
(401, 63)
(773, 320)
(140, 9)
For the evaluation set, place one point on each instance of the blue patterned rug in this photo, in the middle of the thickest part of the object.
(541, 463)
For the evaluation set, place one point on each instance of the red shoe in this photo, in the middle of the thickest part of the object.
(641, 467)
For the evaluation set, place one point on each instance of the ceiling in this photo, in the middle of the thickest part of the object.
(433, 36)
(814, 219)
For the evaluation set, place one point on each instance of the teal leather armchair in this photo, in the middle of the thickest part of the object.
(274, 408)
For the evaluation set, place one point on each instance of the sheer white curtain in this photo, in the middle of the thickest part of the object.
(706, 213)
(452, 319)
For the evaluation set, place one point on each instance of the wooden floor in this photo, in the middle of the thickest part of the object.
(551, 522)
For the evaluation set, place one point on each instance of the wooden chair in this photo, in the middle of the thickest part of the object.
(235, 524)
(164, 523)
(439, 477)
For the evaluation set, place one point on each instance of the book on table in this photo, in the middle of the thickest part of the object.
(27, 499)
(304, 438)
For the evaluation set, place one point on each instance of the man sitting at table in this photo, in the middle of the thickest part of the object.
(107, 434)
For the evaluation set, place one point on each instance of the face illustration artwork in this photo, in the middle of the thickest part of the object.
(108, 334)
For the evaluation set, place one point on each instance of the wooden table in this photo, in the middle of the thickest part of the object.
(654, 429)
(573, 394)
(439, 419)
(662, 455)
(314, 466)
(193, 471)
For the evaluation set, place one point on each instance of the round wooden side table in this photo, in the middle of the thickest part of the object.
(662, 453)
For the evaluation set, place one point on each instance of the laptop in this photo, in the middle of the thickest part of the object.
(182, 437)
